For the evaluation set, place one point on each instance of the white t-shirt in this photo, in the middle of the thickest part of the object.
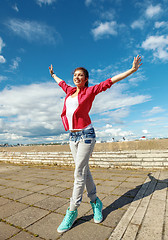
(71, 105)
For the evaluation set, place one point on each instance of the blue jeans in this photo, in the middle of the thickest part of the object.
(81, 145)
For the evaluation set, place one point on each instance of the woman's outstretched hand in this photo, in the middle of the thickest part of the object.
(51, 70)
(136, 63)
(53, 75)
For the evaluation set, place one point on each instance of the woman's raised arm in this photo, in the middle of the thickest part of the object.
(136, 64)
(53, 75)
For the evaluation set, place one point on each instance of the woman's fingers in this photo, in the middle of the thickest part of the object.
(51, 69)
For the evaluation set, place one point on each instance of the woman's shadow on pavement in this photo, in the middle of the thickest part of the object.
(129, 196)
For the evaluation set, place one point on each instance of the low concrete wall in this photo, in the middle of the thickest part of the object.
(135, 154)
(119, 159)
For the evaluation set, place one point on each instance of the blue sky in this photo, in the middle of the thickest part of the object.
(100, 35)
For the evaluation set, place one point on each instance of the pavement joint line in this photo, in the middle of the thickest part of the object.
(13, 235)
(23, 230)
(122, 226)
(11, 224)
(165, 225)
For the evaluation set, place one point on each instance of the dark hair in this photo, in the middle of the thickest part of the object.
(86, 73)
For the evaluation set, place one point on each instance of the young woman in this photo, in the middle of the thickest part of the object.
(75, 118)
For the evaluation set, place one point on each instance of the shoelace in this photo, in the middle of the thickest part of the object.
(67, 218)
(97, 204)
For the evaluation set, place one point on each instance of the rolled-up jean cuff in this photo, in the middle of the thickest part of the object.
(72, 207)
(93, 198)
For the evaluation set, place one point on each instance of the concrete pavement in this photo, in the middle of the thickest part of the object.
(33, 201)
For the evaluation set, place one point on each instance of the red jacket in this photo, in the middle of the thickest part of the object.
(86, 96)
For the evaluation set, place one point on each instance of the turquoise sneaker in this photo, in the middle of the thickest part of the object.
(97, 210)
(68, 221)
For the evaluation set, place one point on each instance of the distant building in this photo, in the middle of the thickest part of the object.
(143, 138)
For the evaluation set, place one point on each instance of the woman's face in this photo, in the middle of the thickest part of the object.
(79, 78)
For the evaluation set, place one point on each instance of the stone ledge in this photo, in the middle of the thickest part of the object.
(121, 159)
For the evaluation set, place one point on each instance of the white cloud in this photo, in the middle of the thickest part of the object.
(116, 98)
(108, 132)
(119, 98)
(145, 131)
(15, 63)
(161, 24)
(116, 116)
(15, 7)
(33, 31)
(135, 79)
(159, 46)
(2, 44)
(40, 2)
(2, 59)
(105, 29)
(31, 112)
(108, 14)
(152, 11)
(3, 78)
(138, 24)
(155, 120)
(13, 137)
(61, 137)
(88, 2)
(154, 110)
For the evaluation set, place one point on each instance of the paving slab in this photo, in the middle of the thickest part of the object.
(52, 190)
(24, 185)
(24, 236)
(26, 217)
(55, 182)
(38, 187)
(65, 194)
(51, 203)
(34, 199)
(125, 191)
(110, 183)
(105, 189)
(66, 184)
(17, 193)
(135, 179)
(6, 191)
(87, 230)
(115, 202)
(7, 231)
(47, 227)
(11, 208)
(111, 218)
(4, 201)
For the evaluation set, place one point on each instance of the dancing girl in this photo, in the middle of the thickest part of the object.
(82, 138)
